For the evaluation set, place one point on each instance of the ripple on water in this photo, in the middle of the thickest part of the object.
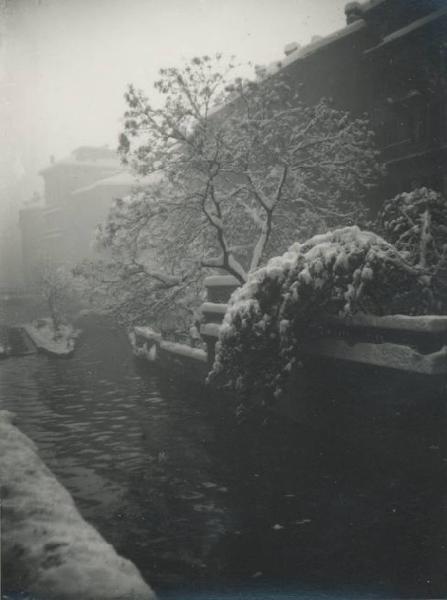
(118, 445)
(100, 437)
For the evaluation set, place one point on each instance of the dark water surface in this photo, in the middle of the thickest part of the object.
(198, 502)
(135, 452)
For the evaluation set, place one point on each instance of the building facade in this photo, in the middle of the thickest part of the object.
(83, 167)
(48, 231)
(79, 191)
(88, 207)
(31, 225)
(390, 63)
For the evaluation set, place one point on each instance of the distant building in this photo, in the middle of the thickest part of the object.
(83, 167)
(31, 228)
(88, 207)
(10, 253)
(79, 191)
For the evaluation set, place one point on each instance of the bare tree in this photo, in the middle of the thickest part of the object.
(251, 155)
(55, 285)
(247, 168)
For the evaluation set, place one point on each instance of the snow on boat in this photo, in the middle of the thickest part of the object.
(59, 344)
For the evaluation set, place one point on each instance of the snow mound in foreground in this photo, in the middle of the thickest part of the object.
(48, 549)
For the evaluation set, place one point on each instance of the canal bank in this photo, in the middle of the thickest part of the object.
(196, 500)
(48, 549)
(133, 453)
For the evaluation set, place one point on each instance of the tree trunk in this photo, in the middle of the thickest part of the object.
(53, 313)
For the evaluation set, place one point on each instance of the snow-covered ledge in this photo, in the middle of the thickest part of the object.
(145, 342)
(415, 344)
(220, 287)
(184, 350)
(221, 281)
(188, 361)
(417, 324)
(387, 355)
(48, 550)
(148, 333)
(214, 309)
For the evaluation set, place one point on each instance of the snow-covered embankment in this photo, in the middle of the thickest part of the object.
(48, 549)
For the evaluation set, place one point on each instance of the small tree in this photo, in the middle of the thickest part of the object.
(55, 286)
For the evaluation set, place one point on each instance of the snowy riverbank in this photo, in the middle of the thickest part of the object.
(48, 549)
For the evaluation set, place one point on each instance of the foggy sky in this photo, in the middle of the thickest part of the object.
(65, 63)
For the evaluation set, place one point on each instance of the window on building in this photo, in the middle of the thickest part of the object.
(443, 63)
(444, 118)
(395, 130)
(405, 123)
(418, 121)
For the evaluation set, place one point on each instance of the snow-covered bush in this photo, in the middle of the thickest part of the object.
(416, 223)
(284, 304)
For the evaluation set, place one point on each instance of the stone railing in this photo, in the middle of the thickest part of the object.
(218, 291)
(192, 363)
(414, 344)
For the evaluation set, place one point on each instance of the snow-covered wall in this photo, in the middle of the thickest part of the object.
(48, 550)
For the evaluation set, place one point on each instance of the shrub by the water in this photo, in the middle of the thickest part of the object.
(284, 304)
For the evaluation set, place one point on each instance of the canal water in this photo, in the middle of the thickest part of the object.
(199, 502)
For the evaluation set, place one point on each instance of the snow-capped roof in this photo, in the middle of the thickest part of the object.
(121, 179)
(395, 35)
(369, 4)
(87, 156)
(315, 46)
(104, 164)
